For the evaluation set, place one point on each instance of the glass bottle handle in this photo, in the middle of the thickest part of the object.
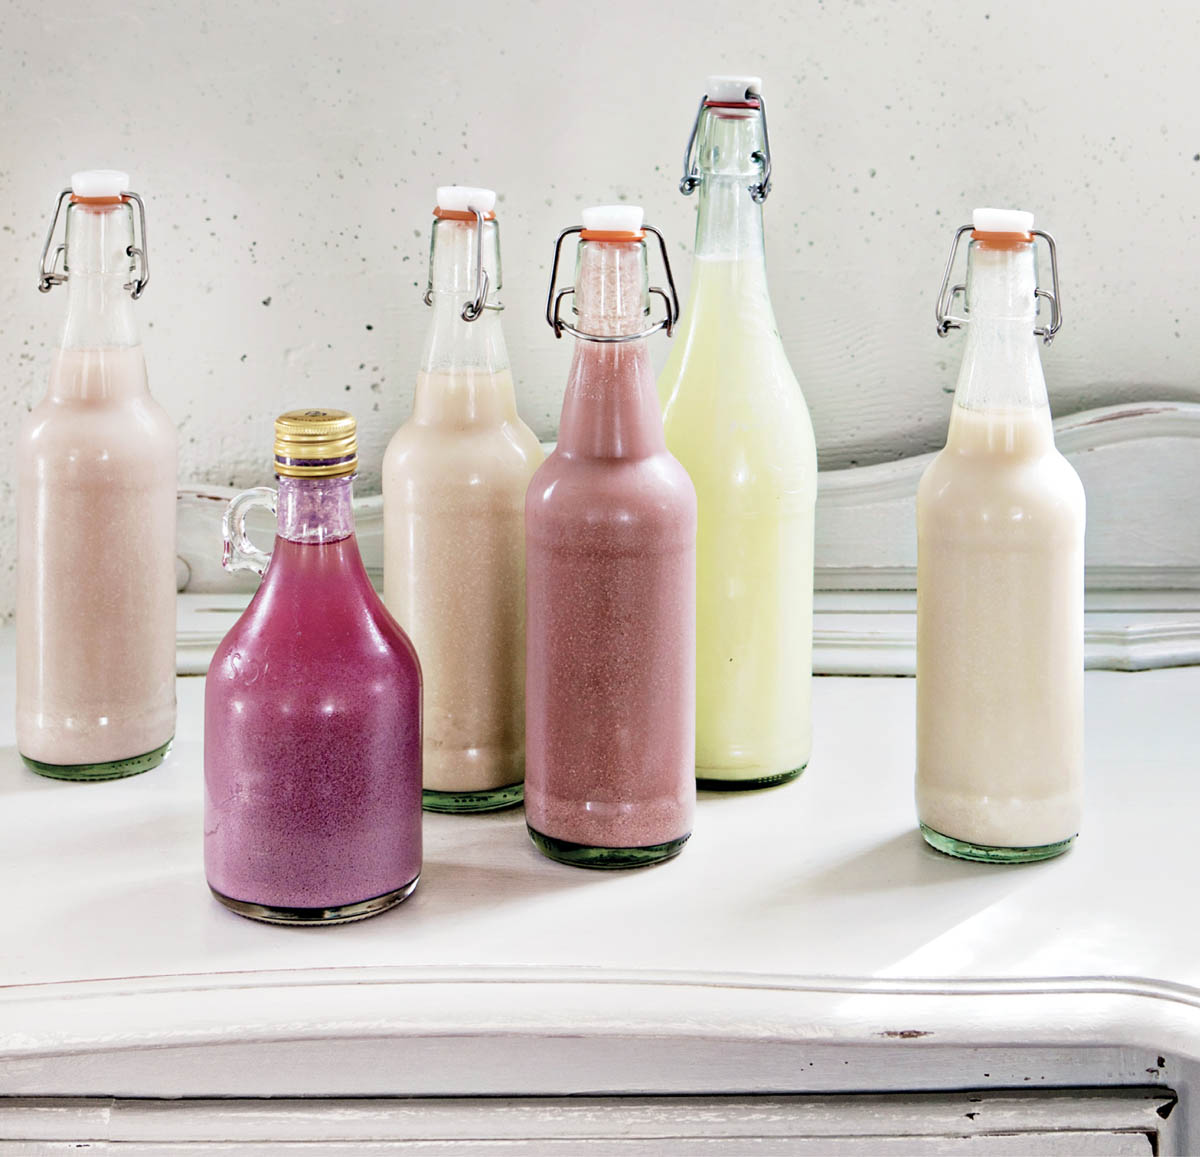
(240, 553)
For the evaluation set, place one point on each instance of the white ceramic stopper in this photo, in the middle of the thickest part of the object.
(1002, 221)
(613, 219)
(465, 198)
(99, 183)
(732, 89)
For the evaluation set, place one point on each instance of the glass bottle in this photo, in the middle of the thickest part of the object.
(1000, 520)
(96, 467)
(312, 707)
(454, 481)
(735, 417)
(610, 523)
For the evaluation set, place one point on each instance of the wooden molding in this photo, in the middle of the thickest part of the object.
(1140, 466)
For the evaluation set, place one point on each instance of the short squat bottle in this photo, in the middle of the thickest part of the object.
(737, 420)
(454, 481)
(1000, 519)
(312, 707)
(610, 524)
(96, 467)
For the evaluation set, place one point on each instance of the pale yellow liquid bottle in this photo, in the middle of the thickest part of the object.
(737, 420)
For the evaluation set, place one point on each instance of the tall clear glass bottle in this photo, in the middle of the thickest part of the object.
(610, 522)
(312, 707)
(735, 417)
(96, 467)
(1000, 522)
(454, 481)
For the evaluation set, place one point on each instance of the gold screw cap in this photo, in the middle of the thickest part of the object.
(315, 444)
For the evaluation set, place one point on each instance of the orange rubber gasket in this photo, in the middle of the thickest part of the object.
(611, 235)
(76, 200)
(1001, 240)
(732, 104)
(460, 215)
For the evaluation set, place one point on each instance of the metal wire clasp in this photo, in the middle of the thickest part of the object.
(472, 310)
(554, 300)
(690, 181)
(946, 321)
(50, 272)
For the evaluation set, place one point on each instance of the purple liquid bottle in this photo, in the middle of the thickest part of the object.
(312, 708)
(610, 524)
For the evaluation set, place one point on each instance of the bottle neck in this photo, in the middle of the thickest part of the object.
(99, 308)
(729, 223)
(611, 409)
(465, 377)
(1001, 369)
(315, 510)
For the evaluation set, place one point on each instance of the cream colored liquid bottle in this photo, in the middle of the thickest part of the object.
(735, 417)
(1000, 522)
(454, 481)
(96, 466)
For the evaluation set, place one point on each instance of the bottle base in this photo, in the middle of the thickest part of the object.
(112, 769)
(316, 917)
(705, 783)
(492, 800)
(589, 856)
(987, 854)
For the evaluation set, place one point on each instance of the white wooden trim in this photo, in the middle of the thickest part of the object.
(1140, 465)
(858, 632)
(668, 1124)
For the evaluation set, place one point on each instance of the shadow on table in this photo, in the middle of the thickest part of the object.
(904, 861)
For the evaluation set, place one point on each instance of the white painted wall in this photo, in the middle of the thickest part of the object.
(288, 154)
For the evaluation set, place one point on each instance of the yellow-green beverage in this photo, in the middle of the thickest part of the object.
(737, 420)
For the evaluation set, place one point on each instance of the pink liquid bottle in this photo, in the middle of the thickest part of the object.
(312, 707)
(96, 469)
(610, 523)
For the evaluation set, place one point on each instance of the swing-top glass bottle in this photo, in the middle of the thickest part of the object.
(735, 417)
(1000, 523)
(96, 467)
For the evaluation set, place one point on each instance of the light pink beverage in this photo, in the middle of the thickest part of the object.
(610, 523)
(96, 532)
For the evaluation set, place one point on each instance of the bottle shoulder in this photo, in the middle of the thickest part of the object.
(127, 430)
(1017, 492)
(651, 492)
(728, 389)
(441, 457)
(294, 628)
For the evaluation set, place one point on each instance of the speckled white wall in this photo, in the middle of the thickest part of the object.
(288, 154)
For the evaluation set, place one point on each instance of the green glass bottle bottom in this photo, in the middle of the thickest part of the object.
(473, 801)
(987, 854)
(588, 856)
(113, 769)
(317, 917)
(703, 783)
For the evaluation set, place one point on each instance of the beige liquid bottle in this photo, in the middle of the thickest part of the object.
(1000, 521)
(96, 516)
(454, 481)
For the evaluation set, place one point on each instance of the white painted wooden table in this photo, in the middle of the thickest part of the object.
(805, 945)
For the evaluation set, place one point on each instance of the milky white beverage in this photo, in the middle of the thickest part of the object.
(96, 529)
(454, 482)
(1000, 521)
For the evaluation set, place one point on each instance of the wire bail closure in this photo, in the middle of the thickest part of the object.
(554, 300)
(472, 310)
(52, 274)
(946, 321)
(690, 180)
